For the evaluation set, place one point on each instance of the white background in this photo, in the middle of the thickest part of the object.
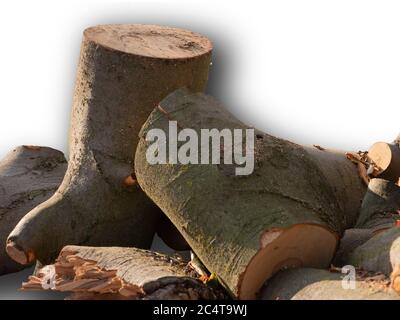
(315, 72)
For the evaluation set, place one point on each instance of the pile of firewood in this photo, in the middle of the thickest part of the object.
(285, 231)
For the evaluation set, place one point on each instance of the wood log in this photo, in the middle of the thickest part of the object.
(397, 141)
(380, 254)
(121, 273)
(381, 205)
(288, 212)
(123, 73)
(351, 239)
(386, 156)
(29, 175)
(315, 284)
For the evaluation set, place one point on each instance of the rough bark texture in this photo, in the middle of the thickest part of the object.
(380, 206)
(123, 73)
(386, 156)
(351, 239)
(288, 212)
(379, 254)
(120, 273)
(29, 175)
(315, 284)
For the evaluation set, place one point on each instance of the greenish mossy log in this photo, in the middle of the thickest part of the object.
(351, 239)
(29, 175)
(380, 254)
(123, 73)
(380, 206)
(316, 284)
(289, 211)
(121, 273)
(386, 157)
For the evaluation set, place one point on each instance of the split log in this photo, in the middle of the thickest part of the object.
(380, 254)
(386, 156)
(314, 284)
(288, 212)
(351, 239)
(29, 175)
(123, 73)
(381, 205)
(121, 273)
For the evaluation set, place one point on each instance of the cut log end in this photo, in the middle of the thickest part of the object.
(20, 256)
(150, 40)
(386, 157)
(300, 245)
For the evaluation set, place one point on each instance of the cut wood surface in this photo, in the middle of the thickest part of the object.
(381, 205)
(121, 273)
(289, 212)
(386, 156)
(316, 284)
(123, 73)
(29, 175)
(380, 254)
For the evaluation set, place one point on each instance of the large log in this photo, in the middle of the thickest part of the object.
(288, 212)
(314, 284)
(381, 205)
(121, 273)
(123, 73)
(29, 175)
(380, 254)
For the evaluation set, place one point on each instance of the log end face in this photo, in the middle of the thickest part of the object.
(150, 40)
(302, 245)
(16, 253)
(380, 153)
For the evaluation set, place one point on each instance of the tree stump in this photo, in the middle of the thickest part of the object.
(124, 72)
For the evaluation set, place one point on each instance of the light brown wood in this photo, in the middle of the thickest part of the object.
(120, 273)
(386, 157)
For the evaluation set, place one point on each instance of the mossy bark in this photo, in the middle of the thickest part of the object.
(124, 72)
(314, 284)
(233, 223)
(380, 206)
(381, 253)
(351, 239)
(29, 175)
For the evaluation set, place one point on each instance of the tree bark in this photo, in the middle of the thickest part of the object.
(29, 175)
(380, 254)
(351, 239)
(120, 273)
(315, 284)
(288, 212)
(380, 206)
(124, 72)
(386, 156)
